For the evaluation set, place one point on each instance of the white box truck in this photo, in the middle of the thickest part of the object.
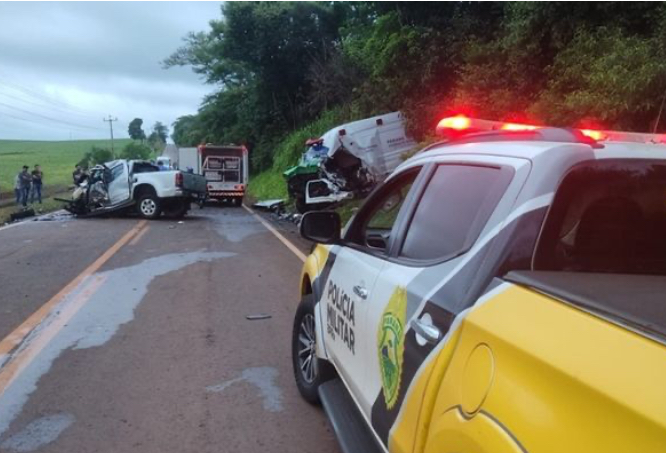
(226, 168)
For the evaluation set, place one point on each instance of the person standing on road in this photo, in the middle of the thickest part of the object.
(17, 188)
(37, 176)
(26, 181)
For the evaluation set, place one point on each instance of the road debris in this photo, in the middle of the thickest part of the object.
(22, 214)
(258, 317)
(270, 205)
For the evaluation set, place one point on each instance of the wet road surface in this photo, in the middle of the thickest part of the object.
(120, 335)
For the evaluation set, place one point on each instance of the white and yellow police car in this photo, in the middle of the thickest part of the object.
(503, 291)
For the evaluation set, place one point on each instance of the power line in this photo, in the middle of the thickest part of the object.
(43, 97)
(54, 109)
(48, 118)
(26, 120)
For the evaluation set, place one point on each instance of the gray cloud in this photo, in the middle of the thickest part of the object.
(76, 62)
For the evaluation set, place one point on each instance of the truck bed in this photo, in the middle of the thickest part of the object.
(637, 301)
(194, 183)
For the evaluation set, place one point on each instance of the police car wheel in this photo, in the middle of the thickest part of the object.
(309, 371)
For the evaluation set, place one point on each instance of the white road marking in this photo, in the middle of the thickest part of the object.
(301, 256)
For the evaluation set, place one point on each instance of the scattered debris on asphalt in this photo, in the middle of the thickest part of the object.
(279, 210)
(54, 216)
(22, 214)
(270, 205)
(258, 317)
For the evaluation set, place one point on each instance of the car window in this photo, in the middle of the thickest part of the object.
(116, 172)
(386, 213)
(376, 221)
(618, 228)
(455, 206)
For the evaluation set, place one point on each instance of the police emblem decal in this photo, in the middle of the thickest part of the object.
(391, 345)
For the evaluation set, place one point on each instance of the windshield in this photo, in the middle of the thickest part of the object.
(317, 151)
(608, 216)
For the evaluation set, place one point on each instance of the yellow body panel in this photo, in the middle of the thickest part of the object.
(564, 381)
(412, 426)
(314, 264)
(454, 433)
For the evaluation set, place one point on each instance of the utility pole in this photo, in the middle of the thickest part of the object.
(111, 120)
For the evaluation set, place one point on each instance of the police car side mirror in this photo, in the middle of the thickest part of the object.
(321, 226)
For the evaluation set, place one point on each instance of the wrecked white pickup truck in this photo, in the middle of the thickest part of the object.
(348, 160)
(121, 185)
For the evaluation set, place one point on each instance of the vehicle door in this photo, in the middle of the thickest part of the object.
(351, 282)
(118, 183)
(424, 286)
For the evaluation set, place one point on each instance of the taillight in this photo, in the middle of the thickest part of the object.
(179, 179)
(239, 187)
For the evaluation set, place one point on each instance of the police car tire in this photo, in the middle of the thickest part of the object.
(325, 372)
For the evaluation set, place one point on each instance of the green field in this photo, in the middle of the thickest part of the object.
(56, 158)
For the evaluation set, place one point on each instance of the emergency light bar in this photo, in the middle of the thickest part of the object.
(460, 125)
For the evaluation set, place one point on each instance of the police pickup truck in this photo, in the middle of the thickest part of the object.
(124, 184)
(502, 291)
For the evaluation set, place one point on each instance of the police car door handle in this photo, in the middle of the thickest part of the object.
(428, 332)
(361, 292)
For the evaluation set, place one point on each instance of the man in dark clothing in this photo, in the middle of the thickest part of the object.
(37, 177)
(25, 180)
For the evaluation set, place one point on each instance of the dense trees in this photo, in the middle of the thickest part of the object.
(95, 156)
(158, 137)
(134, 150)
(280, 66)
(135, 131)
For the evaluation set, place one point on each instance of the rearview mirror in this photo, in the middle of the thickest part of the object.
(321, 226)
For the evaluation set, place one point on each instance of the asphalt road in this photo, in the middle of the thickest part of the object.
(120, 335)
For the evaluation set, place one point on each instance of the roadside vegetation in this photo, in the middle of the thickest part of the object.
(288, 71)
(57, 159)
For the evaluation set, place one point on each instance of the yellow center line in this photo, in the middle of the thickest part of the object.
(21, 332)
(10, 372)
(138, 237)
(301, 256)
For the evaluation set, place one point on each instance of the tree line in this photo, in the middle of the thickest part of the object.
(277, 67)
(141, 148)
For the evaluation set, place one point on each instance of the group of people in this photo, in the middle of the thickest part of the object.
(28, 185)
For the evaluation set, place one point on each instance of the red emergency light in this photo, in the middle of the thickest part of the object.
(456, 126)
(595, 135)
(517, 127)
(458, 123)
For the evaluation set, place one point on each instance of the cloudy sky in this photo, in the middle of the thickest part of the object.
(65, 66)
